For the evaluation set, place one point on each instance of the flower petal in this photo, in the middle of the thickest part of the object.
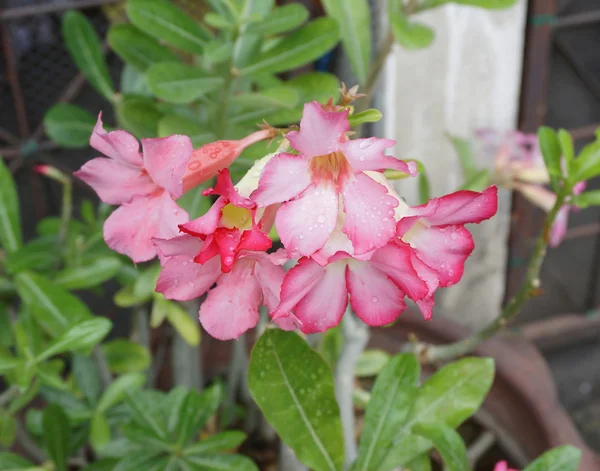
(369, 212)
(130, 229)
(367, 154)
(321, 132)
(208, 223)
(180, 245)
(118, 145)
(284, 177)
(304, 225)
(559, 228)
(298, 282)
(430, 276)
(114, 181)
(375, 298)
(231, 308)
(254, 239)
(269, 277)
(227, 240)
(166, 160)
(184, 280)
(225, 188)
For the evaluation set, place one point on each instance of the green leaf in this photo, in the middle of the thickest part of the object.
(106, 464)
(69, 125)
(119, 388)
(562, 458)
(550, 147)
(391, 402)
(136, 47)
(331, 346)
(124, 356)
(305, 45)
(87, 378)
(411, 35)
(139, 115)
(490, 4)
(10, 224)
(587, 164)
(354, 20)
(146, 413)
(195, 130)
(185, 325)
(7, 361)
(370, 363)
(57, 435)
(99, 431)
(50, 376)
(280, 20)
(143, 459)
(55, 309)
(368, 116)
(86, 50)
(168, 23)
(218, 51)
(448, 443)
(8, 429)
(464, 150)
(217, 21)
(89, 276)
(82, 336)
(196, 409)
(220, 463)
(247, 45)
(12, 462)
(133, 82)
(587, 199)
(278, 97)
(478, 181)
(293, 386)
(424, 187)
(39, 254)
(566, 147)
(179, 83)
(223, 441)
(422, 463)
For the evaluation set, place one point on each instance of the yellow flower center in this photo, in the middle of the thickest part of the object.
(332, 168)
(234, 217)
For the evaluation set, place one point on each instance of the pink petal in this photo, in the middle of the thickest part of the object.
(181, 245)
(369, 212)
(209, 250)
(118, 145)
(321, 132)
(503, 466)
(231, 308)
(395, 261)
(323, 306)
(254, 239)
(227, 240)
(270, 278)
(537, 194)
(337, 242)
(298, 282)
(367, 154)
(130, 229)
(560, 226)
(304, 225)
(284, 177)
(375, 299)
(445, 250)
(115, 181)
(208, 223)
(225, 188)
(430, 276)
(166, 159)
(184, 280)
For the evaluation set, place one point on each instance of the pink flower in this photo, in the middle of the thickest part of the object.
(227, 247)
(144, 184)
(503, 466)
(329, 168)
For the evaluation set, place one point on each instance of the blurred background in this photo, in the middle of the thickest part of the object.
(534, 64)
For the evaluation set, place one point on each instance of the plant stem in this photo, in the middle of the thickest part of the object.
(9, 395)
(376, 68)
(187, 367)
(27, 442)
(530, 288)
(356, 336)
(105, 374)
(237, 374)
(66, 210)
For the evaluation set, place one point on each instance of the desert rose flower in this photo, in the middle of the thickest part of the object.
(226, 246)
(327, 177)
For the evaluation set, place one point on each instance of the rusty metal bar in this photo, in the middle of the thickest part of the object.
(585, 132)
(587, 78)
(586, 230)
(22, 12)
(578, 19)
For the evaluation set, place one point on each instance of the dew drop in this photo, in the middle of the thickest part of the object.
(310, 228)
(362, 158)
(194, 165)
(364, 144)
(192, 284)
(374, 299)
(453, 236)
(320, 219)
(301, 236)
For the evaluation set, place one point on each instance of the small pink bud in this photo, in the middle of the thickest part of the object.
(52, 172)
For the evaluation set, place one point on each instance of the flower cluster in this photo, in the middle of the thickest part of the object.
(351, 237)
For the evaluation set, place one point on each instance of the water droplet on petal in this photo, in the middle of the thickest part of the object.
(194, 165)
(374, 299)
(320, 219)
(364, 143)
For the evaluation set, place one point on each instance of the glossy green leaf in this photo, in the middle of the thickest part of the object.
(185, 325)
(69, 125)
(88, 276)
(12, 462)
(10, 223)
(448, 443)
(7, 361)
(86, 50)
(8, 428)
(450, 396)
(50, 377)
(587, 199)
(139, 115)
(248, 45)
(142, 459)
(422, 463)
(587, 164)
(99, 431)
(367, 116)
(371, 362)
(223, 441)
(217, 21)
(106, 464)
(566, 147)
(87, 378)
(424, 187)
(490, 4)
(39, 254)
(280, 20)
(391, 402)
(478, 181)
(411, 35)
(278, 97)
(133, 82)
(81, 336)
(218, 51)
(304, 46)
(124, 356)
(164, 21)
(55, 309)
(220, 463)
(57, 436)
(354, 20)
(562, 458)
(136, 47)
(196, 409)
(195, 130)
(119, 388)
(550, 147)
(331, 346)
(293, 386)
(146, 413)
(179, 83)
(464, 151)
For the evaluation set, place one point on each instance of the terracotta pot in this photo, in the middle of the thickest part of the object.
(522, 408)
